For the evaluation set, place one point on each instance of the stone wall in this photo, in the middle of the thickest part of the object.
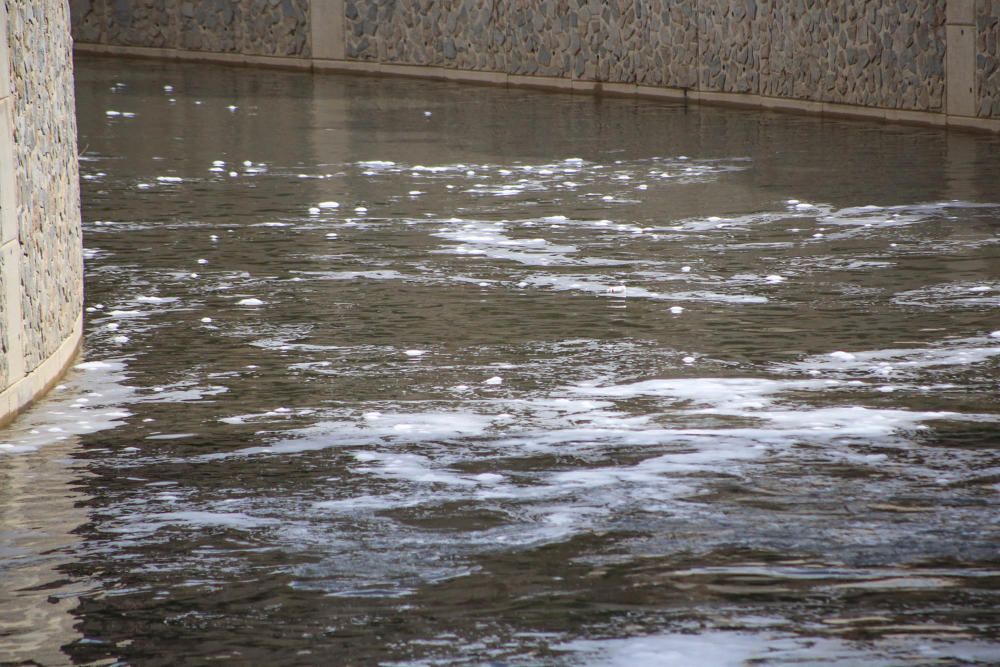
(41, 265)
(252, 27)
(852, 53)
(988, 58)
(859, 52)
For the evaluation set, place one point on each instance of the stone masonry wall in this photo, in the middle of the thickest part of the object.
(863, 52)
(41, 295)
(48, 186)
(869, 53)
(251, 27)
(988, 58)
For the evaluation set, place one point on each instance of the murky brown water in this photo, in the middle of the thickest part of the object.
(558, 380)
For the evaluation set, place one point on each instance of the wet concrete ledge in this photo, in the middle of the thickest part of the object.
(559, 84)
(25, 391)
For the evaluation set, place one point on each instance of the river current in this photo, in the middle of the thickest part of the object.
(386, 371)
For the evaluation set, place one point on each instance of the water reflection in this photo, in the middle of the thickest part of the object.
(43, 511)
(531, 378)
(40, 508)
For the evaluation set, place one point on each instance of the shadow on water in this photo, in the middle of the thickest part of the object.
(393, 372)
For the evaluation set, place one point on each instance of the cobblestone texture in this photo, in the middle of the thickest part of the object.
(872, 53)
(988, 58)
(146, 23)
(861, 52)
(46, 173)
(251, 27)
(87, 20)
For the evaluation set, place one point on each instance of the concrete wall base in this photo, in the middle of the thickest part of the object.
(30, 387)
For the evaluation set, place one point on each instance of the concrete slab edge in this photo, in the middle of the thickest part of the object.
(21, 394)
(558, 84)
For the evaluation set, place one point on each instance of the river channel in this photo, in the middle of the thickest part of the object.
(396, 372)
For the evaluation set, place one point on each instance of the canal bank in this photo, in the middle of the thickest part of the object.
(41, 260)
(932, 62)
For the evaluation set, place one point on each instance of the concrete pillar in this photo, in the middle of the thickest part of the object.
(326, 18)
(960, 64)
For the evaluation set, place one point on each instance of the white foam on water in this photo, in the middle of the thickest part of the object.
(411, 468)
(494, 240)
(763, 399)
(233, 520)
(388, 429)
(277, 414)
(775, 648)
(376, 164)
(941, 357)
(152, 299)
(712, 649)
(90, 400)
(714, 297)
(251, 301)
(374, 274)
(951, 295)
(440, 169)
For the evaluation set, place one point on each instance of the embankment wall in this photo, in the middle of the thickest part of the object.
(41, 255)
(928, 61)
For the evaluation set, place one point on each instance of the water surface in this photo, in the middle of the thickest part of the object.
(393, 372)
